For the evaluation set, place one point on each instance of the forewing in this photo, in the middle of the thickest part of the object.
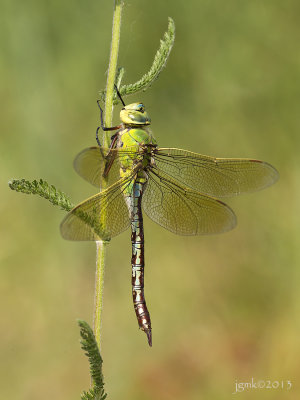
(93, 162)
(184, 211)
(218, 177)
(101, 216)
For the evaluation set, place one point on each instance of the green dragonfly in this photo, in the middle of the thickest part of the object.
(177, 189)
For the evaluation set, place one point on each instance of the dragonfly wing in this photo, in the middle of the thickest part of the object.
(218, 177)
(182, 210)
(90, 165)
(101, 216)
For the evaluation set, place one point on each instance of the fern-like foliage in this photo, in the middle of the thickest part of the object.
(58, 198)
(158, 64)
(93, 394)
(43, 189)
(89, 345)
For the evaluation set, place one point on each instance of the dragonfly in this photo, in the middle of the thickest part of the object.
(178, 189)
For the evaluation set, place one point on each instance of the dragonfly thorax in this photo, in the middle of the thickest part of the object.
(135, 114)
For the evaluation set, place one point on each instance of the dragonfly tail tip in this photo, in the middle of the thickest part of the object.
(149, 336)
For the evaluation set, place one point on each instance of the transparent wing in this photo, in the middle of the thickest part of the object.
(90, 165)
(218, 177)
(184, 211)
(93, 162)
(101, 216)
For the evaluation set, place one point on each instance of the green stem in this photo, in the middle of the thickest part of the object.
(99, 288)
(112, 69)
(108, 110)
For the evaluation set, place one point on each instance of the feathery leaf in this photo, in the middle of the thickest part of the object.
(58, 198)
(158, 64)
(89, 345)
(43, 189)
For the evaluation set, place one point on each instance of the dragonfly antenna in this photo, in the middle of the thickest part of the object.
(119, 95)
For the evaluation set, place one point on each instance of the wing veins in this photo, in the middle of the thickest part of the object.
(219, 177)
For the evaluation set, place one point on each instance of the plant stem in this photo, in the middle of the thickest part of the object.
(108, 112)
(99, 288)
(112, 69)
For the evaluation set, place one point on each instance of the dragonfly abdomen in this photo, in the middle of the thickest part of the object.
(137, 261)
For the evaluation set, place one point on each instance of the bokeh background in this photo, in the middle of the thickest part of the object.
(224, 308)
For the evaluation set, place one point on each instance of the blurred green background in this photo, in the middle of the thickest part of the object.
(224, 308)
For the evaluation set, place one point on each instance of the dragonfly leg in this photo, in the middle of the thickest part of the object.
(104, 128)
(97, 137)
(119, 95)
(111, 128)
(113, 138)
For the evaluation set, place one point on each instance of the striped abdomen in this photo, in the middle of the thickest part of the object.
(137, 260)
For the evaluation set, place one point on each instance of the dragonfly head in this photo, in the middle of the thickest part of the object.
(135, 114)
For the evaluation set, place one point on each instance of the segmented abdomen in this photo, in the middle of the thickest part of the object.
(137, 260)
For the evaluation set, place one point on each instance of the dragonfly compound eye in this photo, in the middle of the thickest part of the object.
(135, 114)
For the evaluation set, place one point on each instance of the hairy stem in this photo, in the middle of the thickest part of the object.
(99, 288)
(112, 69)
(108, 112)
